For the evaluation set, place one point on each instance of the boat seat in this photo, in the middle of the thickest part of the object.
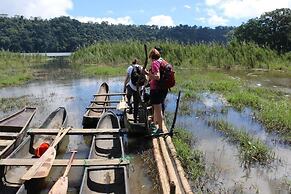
(4, 143)
(7, 135)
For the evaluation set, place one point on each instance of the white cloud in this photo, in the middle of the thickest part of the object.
(187, 6)
(247, 8)
(121, 20)
(214, 19)
(212, 2)
(161, 20)
(36, 8)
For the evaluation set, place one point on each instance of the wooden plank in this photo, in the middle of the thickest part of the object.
(4, 143)
(105, 101)
(36, 131)
(111, 94)
(101, 107)
(7, 135)
(64, 162)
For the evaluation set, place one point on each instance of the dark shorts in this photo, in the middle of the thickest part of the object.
(158, 96)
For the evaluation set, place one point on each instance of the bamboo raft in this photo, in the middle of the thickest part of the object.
(13, 129)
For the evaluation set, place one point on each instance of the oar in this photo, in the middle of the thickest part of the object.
(43, 165)
(122, 104)
(61, 186)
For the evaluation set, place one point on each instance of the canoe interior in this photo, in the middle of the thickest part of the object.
(91, 116)
(15, 122)
(13, 129)
(106, 179)
(56, 119)
(112, 181)
(136, 129)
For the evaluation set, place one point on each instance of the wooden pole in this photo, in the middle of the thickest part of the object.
(170, 166)
(165, 187)
(180, 170)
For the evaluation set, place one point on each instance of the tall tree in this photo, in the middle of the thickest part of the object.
(272, 29)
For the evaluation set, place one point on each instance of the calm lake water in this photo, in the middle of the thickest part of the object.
(221, 157)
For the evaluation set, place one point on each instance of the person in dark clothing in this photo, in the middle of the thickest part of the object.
(130, 87)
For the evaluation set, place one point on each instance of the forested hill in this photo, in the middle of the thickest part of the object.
(64, 34)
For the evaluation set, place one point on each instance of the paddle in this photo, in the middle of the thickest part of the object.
(43, 165)
(122, 104)
(61, 186)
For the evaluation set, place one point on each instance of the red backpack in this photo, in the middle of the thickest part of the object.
(167, 75)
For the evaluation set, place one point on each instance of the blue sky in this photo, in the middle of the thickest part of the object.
(209, 13)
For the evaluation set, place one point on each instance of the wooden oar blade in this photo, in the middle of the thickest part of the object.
(42, 167)
(60, 187)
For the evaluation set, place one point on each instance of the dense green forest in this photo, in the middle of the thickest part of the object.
(272, 29)
(64, 34)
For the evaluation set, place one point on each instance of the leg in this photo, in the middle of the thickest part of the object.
(128, 96)
(158, 116)
(135, 105)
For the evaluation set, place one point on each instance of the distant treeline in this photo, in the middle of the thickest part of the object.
(64, 34)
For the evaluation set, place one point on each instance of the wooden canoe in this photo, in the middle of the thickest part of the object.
(92, 116)
(13, 129)
(106, 179)
(11, 175)
(139, 128)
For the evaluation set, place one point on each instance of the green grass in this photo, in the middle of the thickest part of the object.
(230, 56)
(272, 107)
(16, 68)
(191, 159)
(252, 150)
(93, 70)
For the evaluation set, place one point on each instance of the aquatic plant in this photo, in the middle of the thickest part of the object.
(252, 150)
(229, 56)
(191, 159)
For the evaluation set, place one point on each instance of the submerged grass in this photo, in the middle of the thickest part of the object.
(9, 104)
(252, 150)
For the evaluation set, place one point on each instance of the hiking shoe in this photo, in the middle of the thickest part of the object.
(157, 132)
(153, 127)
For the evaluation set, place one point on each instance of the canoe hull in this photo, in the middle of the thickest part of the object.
(56, 119)
(13, 129)
(91, 117)
(106, 179)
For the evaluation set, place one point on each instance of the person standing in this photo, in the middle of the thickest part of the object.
(157, 94)
(130, 87)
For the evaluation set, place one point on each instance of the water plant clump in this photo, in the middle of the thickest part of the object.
(9, 104)
(252, 150)
(192, 160)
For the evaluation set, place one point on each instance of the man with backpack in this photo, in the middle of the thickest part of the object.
(131, 84)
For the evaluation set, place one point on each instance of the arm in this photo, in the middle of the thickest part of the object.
(125, 82)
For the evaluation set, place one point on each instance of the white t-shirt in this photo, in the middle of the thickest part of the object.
(129, 70)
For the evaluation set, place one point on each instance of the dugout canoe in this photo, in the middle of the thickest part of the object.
(106, 179)
(11, 175)
(92, 116)
(13, 129)
(139, 128)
